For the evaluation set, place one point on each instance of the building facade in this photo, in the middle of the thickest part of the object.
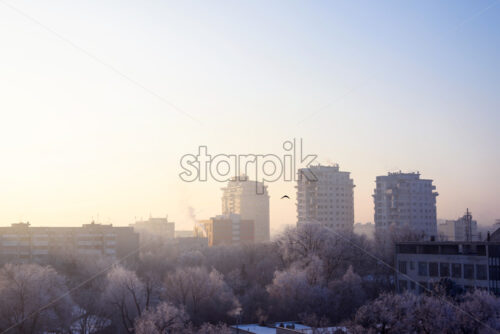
(226, 230)
(458, 230)
(405, 199)
(325, 195)
(184, 234)
(250, 200)
(159, 228)
(471, 265)
(24, 243)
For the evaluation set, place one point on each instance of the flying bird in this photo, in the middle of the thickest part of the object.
(285, 196)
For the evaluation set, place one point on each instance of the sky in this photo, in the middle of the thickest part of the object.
(99, 101)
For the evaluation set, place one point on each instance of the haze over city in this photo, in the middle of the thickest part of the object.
(89, 131)
(255, 167)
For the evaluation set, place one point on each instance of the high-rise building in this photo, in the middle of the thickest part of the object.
(325, 195)
(250, 200)
(228, 229)
(403, 199)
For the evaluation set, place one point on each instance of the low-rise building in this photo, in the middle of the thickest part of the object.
(157, 228)
(24, 243)
(469, 264)
(461, 229)
(184, 234)
(226, 229)
(285, 327)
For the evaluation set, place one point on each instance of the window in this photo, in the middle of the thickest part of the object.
(403, 285)
(422, 268)
(433, 269)
(456, 270)
(402, 267)
(444, 269)
(412, 265)
(412, 285)
(481, 272)
(468, 271)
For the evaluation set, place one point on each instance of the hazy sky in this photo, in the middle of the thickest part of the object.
(374, 86)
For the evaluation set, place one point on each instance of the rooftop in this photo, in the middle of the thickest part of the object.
(271, 328)
(297, 328)
(448, 243)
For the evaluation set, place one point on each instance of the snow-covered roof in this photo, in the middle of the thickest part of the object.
(269, 329)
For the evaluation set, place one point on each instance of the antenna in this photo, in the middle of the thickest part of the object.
(468, 225)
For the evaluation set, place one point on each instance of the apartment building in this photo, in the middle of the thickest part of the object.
(226, 229)
(250, 200)
(157, 228)
(25, 243)
(325, 196)
(405, 199)
(471, 265)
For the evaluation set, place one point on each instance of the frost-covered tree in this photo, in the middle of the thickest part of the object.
(203, 294)
(33, 299)
(127, 295)
(347, 295)
(477, 312)
(336, 250)
(304, 241)
(208, 328)
(165, 318)
(90, 315)
(297, 290)
(387, 314)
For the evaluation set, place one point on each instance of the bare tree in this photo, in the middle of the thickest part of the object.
(297, 290)
(165, 318)
(387, 314)
(302, 242)
(204, 295)
(396, 313)
(347, 295)
(33, 299)
(337, 250)
(127, 294)
(90, 315)
(208, 328)
(484, 307)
